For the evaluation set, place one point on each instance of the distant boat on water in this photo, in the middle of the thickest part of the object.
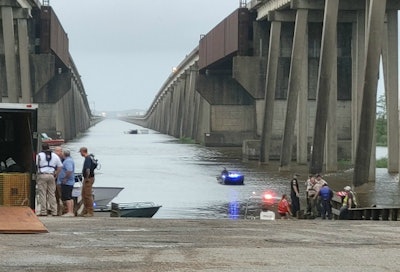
(137, 131)
(133, 131)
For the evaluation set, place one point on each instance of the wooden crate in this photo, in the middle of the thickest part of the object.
(14, 189)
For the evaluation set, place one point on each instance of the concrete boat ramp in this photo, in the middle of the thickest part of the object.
(132, 244)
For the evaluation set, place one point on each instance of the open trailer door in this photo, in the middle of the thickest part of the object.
(18, 148)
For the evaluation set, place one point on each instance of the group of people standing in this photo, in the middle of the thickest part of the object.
(318, 199)
(319, 196)
(56, 178)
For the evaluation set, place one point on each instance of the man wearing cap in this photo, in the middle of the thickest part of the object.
(294, 195)
(88, 180)
(49, 165)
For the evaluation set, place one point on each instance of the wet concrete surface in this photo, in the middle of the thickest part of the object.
(125, 244)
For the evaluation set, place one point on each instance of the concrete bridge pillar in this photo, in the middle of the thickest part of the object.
(9, 52)
(167, 111)
(326, 69)
(17, 72)
(176, 104)
(270, 85)
(391, 75)
(303, 110)
(23, 46)
(375, 27)
(295, 83)
(190, 105)
(180, 117)
(331, 145)
(358, 52)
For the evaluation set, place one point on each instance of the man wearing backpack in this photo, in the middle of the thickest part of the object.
(87, 184)
(49, 165)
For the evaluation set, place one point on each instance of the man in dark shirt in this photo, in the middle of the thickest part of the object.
(87, 184)
(294, 195)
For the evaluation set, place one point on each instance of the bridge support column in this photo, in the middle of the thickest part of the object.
(168, 111)
(270, 85)
(295, 80)
(24, 60)
(331, 129)
(391, 72)
(368, 111)
(358, 72)
(303, 111)
(326, 68)
(187, 105)
(9, 51)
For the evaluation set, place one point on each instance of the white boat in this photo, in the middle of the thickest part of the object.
(102, 196)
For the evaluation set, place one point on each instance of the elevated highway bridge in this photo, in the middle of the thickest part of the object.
(289, 80)
(36, 67)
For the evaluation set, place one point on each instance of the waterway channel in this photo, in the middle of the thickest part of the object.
(182, 177)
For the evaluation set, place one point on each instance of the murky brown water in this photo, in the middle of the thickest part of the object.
(182, 177)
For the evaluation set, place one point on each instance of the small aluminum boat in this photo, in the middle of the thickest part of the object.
(134, 209)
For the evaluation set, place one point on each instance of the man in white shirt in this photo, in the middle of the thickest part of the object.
(49, 165)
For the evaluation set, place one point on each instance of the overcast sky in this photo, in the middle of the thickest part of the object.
(125, 49)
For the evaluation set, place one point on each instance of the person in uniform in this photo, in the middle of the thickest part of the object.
(295, 195)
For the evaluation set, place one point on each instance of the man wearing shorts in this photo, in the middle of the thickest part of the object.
(66, 179)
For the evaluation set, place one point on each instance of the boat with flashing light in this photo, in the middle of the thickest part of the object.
(231, 177)
(261, 206)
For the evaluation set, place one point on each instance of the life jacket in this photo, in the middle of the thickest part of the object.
(346, 200)
(48, 155)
